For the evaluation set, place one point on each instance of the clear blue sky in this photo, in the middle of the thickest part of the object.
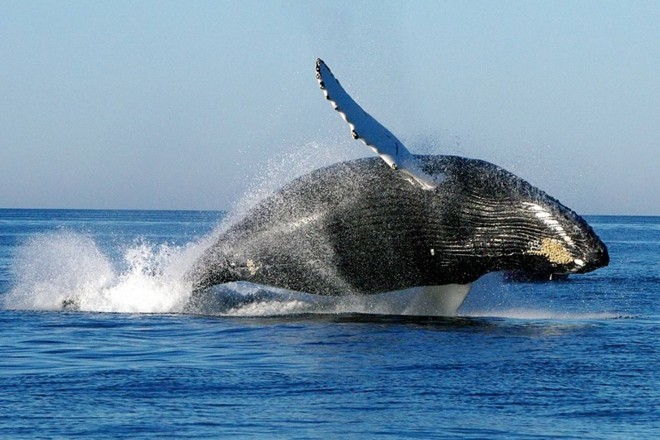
(181, 105)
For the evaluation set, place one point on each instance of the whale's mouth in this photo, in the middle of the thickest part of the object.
(560, 263)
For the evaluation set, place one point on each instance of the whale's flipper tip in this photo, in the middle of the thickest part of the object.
(367, 129)
(320, 65)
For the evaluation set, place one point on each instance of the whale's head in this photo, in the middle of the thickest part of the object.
(523, 228)
(564, 243)
(551, 240)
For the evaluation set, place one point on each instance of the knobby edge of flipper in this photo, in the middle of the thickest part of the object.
(367, 129)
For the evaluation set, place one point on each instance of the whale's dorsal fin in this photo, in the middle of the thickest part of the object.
(371, 132)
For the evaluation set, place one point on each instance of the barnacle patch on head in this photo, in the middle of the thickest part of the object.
(554, 250)
(252, 267)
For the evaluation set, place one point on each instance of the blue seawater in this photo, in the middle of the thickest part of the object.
(100, 341)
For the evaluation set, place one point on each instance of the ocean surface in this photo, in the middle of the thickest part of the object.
(101, 339)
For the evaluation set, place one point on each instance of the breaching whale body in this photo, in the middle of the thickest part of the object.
(399, 222)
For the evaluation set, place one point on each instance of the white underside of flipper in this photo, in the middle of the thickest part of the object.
(417, 301)
(441, 301)
(371, 132)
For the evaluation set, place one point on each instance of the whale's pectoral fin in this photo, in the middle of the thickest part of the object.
(371, 132)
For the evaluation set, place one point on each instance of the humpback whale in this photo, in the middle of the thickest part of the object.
(399, 222)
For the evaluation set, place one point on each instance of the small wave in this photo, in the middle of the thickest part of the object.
(530, 314)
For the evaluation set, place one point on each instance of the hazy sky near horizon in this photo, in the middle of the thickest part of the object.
(183, 105)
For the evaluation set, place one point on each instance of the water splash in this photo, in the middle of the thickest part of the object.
(66, 270)
(283, 168)
(50, 268)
